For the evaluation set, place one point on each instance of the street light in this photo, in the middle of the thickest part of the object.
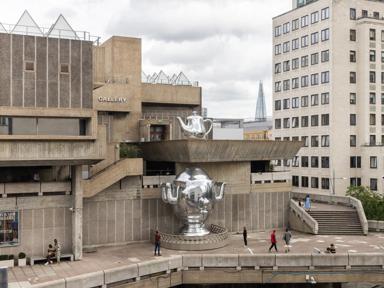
(333, 181)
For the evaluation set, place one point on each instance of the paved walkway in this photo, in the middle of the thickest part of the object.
(317, 206)
(109, 257)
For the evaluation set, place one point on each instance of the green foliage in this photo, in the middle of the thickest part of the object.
(11, 257)
(22, 255)
(372, 202)
(4, 257)
(130, 151)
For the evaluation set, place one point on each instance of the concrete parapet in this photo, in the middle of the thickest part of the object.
(175, 262)
(87, 280)
(330, 260)
(297, 260)
(376, 226)
(366, 259)
(220, 260)
(153, 266)
(51, 284)
(259, 260)
(121, 273)
(192, 260)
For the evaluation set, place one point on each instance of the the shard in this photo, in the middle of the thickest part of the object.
(261, 114)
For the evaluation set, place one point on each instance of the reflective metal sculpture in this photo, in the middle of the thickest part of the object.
(193, 194)
(195, 126)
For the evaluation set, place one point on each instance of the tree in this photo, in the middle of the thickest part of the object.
(372, 202)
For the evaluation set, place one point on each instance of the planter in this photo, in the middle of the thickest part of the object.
(22, 262)
(7, 263)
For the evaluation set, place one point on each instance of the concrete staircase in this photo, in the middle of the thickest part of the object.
(337, 222)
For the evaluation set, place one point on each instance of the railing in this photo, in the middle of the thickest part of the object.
(270, 177)
(155, 181)
(33, 188)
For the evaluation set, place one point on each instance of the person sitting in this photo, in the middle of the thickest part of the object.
(50, 255)
(331, 249)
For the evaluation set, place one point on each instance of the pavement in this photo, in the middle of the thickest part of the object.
(110, 257)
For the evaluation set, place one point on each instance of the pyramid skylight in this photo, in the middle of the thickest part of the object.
(62, 29)
(27, 26)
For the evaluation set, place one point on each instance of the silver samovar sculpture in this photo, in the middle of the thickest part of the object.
(195, 126)
(193, 195)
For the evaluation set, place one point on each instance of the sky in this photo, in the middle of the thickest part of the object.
(225, 45)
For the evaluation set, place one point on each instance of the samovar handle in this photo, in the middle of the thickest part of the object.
(218, 190)
(210, 127)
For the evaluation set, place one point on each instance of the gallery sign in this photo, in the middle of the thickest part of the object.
(102, 99)
(9, 228)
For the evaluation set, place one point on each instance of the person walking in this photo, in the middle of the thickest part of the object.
(245, 236)
(273, 241)
(57, 248)
(307, 203)
(287, 239)
(157, 243)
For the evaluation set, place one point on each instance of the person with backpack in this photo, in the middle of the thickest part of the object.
(287, 239)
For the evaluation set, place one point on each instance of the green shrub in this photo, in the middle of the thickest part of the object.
(4, 257)
(372, 202)
(11, 257)
(130, 151)
(22, 255)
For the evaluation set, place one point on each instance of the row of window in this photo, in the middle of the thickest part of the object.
(305, 81)
(372, 56)
(324, 140)
(304, 101)
(364, 14)
(312, 160)
(372, 35)
(304, 21)
(304, 61)
(304, 121)
(302, 42)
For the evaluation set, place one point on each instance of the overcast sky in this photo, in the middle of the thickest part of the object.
(223, 44)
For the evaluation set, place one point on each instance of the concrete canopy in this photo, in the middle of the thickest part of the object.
(197, 151)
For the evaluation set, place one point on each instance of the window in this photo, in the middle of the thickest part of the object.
(325, 34)
(324, 183)
(314, 99)
(372, 140)
(9, 223)
(352, 119)
(324, 119)
(277, 105)
(325, 77)
(277, 49)
(373, 184)
(277, 31)
(325, 56)
(304, 81)
(352, 140)
(304, 101)
(278, 86)
(364, 13)
(314, 38)
(304, 181)
(314, 120)
(325, 13)
(304, 21)
(376, 15)
(373, 162)
(372, 98)
(325, 141)
(382, 98)
(352, 35)
(372, 77)
(324, 162)
(277, 123)
(382, 124)
(286, 66)
(352, 13)
(314, 182)
(314, 17)
(305, 140)
(295, 44)
(64, 68)
(314, 141)
(315, 79)
(372, 34)
(324, 98)
(304, 161)
(286, 123)
(277, 68)
(295, 122)
(295, 63)
(352, 98)
(286, 47)
(304, 121)
(295, 83)
(314, 162)
(382, 77)
(304, 61)
(355, 181)
(355, 162)
(372, 119)
(352, 77)
(352, 56)
(372, 55)
(29, 66)
(382, 56)
(295, 24)
(286, 103)
(304, 41)
(286, 28)
(314, 58)
(295, 102)
(286, 85)
(295, 180)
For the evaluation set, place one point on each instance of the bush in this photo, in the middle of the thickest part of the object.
(22, 255)
(372, 202)
(11, 257)
(130, 151)
(4, 257)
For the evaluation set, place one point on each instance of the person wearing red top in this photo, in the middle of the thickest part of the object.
(273, 241)
(157, 243)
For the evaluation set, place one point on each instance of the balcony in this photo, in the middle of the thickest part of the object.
(14, 189)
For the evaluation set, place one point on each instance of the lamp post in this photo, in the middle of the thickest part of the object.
(333, 181)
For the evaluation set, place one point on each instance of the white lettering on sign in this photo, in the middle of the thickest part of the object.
(112, 99)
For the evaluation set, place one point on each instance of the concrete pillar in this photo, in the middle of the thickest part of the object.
(77, 212)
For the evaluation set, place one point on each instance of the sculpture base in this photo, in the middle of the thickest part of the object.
(218, 237)
(194, 230)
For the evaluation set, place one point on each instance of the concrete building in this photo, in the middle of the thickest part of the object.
(328, 92)
(258, 129)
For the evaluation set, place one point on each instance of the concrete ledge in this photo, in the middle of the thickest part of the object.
(376, 226)
(221, 260)
(297, 260)
(259, 260)
(192, 260)
(319, 260)
(153, 266)
(88, 280)
(366, 259)
(51, 284)
(175, 262)
(121, 273)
